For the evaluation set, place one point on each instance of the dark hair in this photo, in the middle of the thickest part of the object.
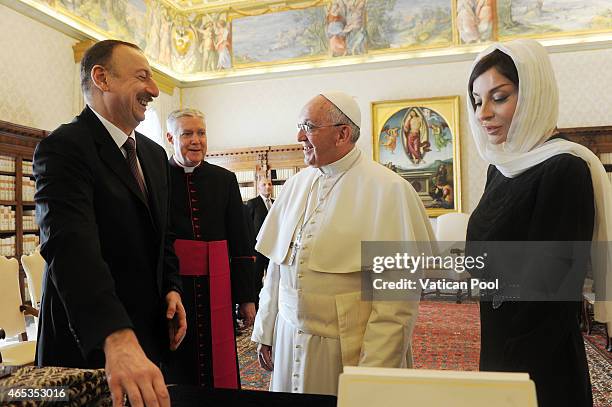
(499, 60)
(99, 54)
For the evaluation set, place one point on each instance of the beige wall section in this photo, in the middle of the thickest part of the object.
(36, 72)
(265, 111)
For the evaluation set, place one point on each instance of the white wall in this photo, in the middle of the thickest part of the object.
(37, 72)
(264, 112)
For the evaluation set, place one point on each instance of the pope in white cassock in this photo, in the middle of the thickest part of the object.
(312, 320)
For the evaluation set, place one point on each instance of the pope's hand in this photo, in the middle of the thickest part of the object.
(247, 313)
(264, 354)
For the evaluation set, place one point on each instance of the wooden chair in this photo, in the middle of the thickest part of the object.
(34, 267)
(12, 319)
(588, 314)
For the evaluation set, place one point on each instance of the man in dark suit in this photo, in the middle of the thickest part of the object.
(258, 209)
(111, 291)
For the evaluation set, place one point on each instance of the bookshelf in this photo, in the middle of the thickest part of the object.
(18, 230)
(279, 163)
(598, 139)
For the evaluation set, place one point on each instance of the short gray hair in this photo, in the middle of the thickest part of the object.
(337, 116)
(171, 122)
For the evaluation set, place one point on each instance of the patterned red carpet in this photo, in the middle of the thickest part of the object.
(447, 336)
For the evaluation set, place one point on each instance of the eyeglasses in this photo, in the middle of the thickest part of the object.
(308, 128)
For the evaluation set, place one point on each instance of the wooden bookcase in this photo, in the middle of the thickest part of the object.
(276, 162)
(597, 139)
(18, 142)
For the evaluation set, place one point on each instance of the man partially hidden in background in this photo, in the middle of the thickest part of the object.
(258, 208)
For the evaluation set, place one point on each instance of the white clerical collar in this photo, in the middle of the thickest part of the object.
(342, 164)
(118, 136)
(188, 170)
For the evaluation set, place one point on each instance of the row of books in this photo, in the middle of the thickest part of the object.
(29, 220)
(8, 244)
(283, 174)
(7, 164)
(248, 193)
(7, 218)
(7, 188)
(26, 167)
(30, 241)
(28, 188)
(280, 174)
(276, 189)
(245, 176)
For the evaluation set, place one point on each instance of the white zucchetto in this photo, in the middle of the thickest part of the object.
(346, 104)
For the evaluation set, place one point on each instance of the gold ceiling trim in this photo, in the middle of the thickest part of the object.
(165, 83)
(79, 49)
(238, 6)
(278, 7)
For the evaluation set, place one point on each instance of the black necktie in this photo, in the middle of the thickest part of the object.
(130, 148)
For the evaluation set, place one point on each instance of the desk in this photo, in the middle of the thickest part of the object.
(192, 396)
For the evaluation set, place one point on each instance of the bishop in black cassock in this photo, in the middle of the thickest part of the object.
(216, 259)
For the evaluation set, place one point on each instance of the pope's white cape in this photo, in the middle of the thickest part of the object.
(381, 206)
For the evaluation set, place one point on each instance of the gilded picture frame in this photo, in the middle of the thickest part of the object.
(419, 140)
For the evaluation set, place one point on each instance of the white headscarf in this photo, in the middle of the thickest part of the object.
(534, 121)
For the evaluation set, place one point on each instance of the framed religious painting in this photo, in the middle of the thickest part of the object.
(419, 140)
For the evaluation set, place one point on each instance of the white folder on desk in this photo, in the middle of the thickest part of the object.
(368, 386)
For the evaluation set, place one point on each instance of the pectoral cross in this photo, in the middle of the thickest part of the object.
(295, 247)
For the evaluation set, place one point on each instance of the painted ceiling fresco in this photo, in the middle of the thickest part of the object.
(205, 39)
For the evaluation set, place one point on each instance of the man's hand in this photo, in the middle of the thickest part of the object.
(177, 319)
(129, 371)
(264, 355)
(247, 313)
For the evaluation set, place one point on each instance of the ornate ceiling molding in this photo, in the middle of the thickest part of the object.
(199, 42)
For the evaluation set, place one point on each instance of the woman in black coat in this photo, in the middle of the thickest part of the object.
(540, 189)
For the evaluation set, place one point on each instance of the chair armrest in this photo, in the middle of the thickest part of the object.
(29, 310)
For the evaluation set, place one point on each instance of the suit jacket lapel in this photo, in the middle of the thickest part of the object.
(262, 203)
(111, 155)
